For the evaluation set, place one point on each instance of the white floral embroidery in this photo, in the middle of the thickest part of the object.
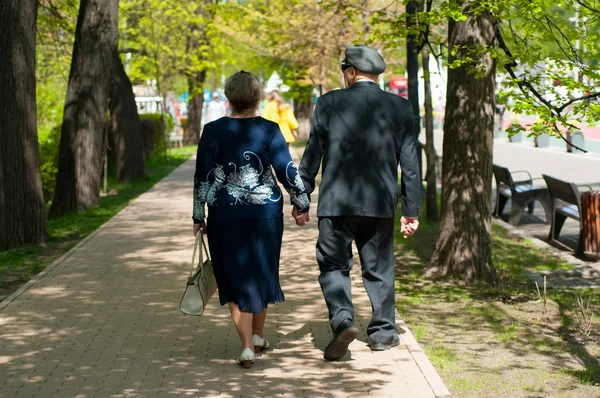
(301, 200)
(248, 185)
(206, 192)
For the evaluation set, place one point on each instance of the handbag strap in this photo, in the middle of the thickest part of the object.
(203, 248)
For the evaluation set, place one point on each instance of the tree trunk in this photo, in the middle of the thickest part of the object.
(197, 42)
(365, 17)
(412, 71)
(129, 144)
(304, 114)
(463, 248)
(412, 58)
(21, 199)
(196, 102)
(304, 109)
(81, 143)
(431, 198)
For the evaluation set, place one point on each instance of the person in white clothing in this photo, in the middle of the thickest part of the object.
(216, 108)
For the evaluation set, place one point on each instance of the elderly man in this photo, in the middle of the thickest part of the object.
(360, 134)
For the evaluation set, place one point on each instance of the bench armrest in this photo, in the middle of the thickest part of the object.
(527, 181)
(524, 182)
(585, 185)
(522, 171)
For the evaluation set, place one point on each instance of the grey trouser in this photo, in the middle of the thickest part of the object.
(375, 241)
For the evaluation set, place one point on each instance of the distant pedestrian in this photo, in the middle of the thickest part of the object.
(216, 108)
(278, 111)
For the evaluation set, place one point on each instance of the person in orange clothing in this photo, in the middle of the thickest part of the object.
(278, 111)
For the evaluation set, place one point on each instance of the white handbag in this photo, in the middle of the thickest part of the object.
(201, 283)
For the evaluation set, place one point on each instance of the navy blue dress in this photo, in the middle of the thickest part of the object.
(234, 181)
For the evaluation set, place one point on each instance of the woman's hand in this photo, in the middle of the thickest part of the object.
(200, 227)
(301, 218)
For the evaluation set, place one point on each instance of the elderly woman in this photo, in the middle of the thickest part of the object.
(245, 208)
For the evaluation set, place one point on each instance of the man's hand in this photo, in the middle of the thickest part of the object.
(200, 227)
(409, 226)
(301, 218)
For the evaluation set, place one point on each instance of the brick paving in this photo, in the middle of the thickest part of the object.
(103, 321)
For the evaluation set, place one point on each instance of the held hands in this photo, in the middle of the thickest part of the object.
(409, 226)
(200, 227)
(301, 218)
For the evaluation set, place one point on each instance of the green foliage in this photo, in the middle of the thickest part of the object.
(157, 118)
(157, 142)
(547, 53)
(49, 147)
(169, 39)
(55, 36)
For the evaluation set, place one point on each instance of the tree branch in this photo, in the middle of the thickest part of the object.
(584, 5)
(567, 141)
(51, 8)
(573, 100)
(525, 86)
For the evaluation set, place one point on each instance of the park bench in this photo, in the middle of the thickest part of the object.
(565, 203)
(176, 138)
(522, 193)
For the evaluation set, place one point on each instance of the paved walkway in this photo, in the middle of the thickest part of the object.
(103, 321)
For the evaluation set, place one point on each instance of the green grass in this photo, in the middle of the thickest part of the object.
(508, 318)
(17, 266)
(440, 356)
(299, 143)
(419, 332)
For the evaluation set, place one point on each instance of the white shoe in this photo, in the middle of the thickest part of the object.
(246, 359)
(259, 343)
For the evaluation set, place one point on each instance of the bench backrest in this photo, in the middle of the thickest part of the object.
(502, 175)
(563, 190)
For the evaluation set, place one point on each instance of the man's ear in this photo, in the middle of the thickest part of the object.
(354, 75)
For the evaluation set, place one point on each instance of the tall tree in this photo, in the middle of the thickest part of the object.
(366, 23)
(431, 176)
(412, 72)
(129, 143)
(464, 247)
(195, 107)
(198, 41)
(81, 143)
(21, 201)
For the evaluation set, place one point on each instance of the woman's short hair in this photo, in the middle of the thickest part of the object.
(243, 91)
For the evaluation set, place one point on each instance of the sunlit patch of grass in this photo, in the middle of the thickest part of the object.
(510, 332)
(419, 332)
(465, 384)
(440, 356)
(507, 318)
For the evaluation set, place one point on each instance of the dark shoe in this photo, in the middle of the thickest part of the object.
(376, 346)
(342, 337)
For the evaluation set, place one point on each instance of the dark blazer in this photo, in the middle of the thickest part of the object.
(361, 134)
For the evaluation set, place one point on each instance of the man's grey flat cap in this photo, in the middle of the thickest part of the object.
(365, 59)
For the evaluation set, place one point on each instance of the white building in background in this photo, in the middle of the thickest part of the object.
(438, 74)
(147, 99)
(276, 83)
